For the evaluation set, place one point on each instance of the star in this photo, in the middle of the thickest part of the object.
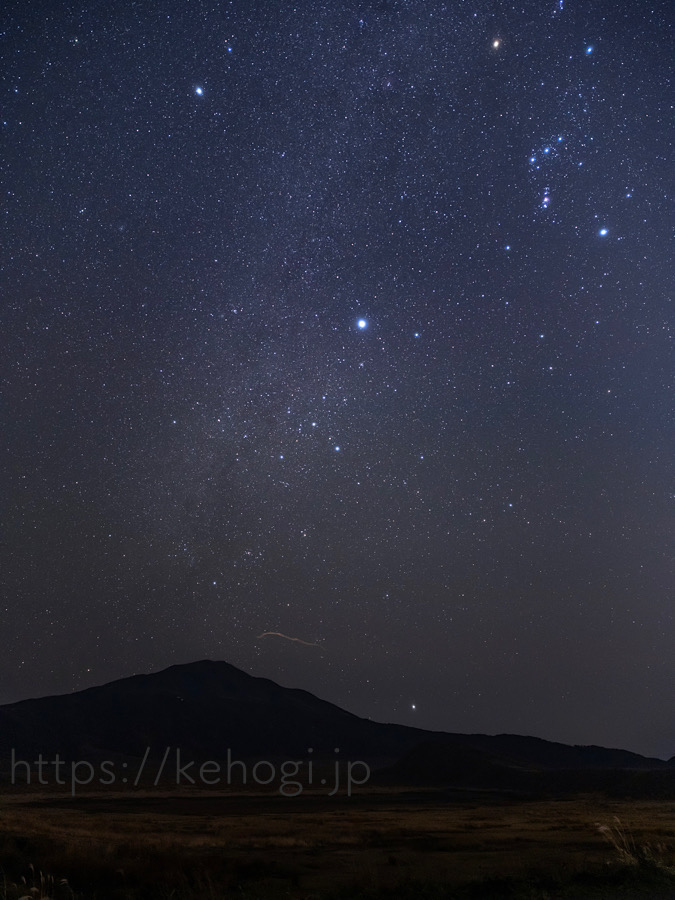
(232, 253)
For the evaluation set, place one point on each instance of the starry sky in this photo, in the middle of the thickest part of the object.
(349, 322)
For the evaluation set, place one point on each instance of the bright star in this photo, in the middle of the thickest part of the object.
(199, 91)
(362, 323)
(603, 232)
(337, 449)
(589, 50)
(496, 44)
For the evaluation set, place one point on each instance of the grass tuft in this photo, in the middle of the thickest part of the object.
(629, 851)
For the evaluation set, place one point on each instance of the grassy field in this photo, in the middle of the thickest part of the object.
(387, 844)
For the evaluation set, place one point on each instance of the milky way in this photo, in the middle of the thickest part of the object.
(348, 321)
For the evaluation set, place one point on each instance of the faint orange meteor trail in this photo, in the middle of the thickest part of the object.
(279, 634)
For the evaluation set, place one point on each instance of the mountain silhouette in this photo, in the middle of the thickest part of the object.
(207, 707)
(204, 708)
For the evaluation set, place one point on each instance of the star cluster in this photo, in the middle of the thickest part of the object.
(348, 322)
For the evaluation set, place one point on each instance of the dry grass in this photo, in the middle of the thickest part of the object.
(632, 851)
(35, 886)
(198, 848)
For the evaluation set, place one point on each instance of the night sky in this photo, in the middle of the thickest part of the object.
(347, 321)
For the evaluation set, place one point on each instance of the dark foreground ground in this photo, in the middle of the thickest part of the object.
(394, 844)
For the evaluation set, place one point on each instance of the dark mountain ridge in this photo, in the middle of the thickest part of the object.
(207, 707)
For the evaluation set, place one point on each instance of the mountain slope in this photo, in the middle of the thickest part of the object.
(206, 707)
